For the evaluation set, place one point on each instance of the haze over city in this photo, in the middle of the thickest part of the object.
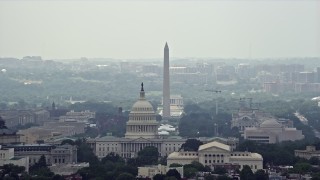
(161, 90)
(139, 29)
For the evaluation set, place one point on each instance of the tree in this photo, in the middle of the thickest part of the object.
(224, 177)
(203, 127)
(57, 177)
(148, 155)
(246, 173)
(174, 173)
(209, 177)
(85, 153)
(159, 177)
(170, 178)
(191, 145)
(68, 141)
(112, 157)
(314, 161)
(2, 124)
(125, 176)
(219, 170)
(40, 168)
(175, 165)
(189, 172)
(261, 175)
(42, 161)
(302, 168)
(10, 170)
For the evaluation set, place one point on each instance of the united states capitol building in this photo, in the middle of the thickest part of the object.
(142, 131)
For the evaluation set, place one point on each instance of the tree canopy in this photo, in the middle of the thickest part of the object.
(191, 145)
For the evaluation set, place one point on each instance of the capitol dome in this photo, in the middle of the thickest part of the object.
(271, 123)
(142, 119)
(142, 106)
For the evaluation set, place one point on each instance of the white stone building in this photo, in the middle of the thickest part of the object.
(214, 154)
(73, 116)
(7, 157)
(270, 131)
(141, 131)
(150, 171)
(248, 117)
(308, 153)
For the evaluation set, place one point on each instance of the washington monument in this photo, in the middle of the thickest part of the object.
(166, 84)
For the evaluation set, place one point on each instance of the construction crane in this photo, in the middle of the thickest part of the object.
(215, 91)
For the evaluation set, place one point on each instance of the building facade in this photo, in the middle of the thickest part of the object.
(23, 117)
(308, 153)
(7, 157)
(64, 154)
(217, 154)
(141, 131)
(150, 171)
(8, 136)
(270, 131)
(82, 116)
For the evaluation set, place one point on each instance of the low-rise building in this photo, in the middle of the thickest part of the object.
(142, 131)
(67, 169)
(270, 131)
(7, 157)
(150, 171)
(23, 117)
(50, 130)
(308, 153)
(8, 136)
(64, 154)
(214, 154)
(74, 116)
(248, 117)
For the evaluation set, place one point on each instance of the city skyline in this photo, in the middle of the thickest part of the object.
(138, 29)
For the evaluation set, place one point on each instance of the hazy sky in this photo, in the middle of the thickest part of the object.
(139, 29)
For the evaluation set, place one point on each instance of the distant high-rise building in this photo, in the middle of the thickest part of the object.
(166, 83)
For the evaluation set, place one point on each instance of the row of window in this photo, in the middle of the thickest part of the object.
(142, 109)
(108, 149)
(251, 166)
(2, 155)
(213, 161)
(108, 144)
(59, 151)
(239, 155)
(259, 137)
(174, 148)
(190, 154)
(213, 155)
(142, 118)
